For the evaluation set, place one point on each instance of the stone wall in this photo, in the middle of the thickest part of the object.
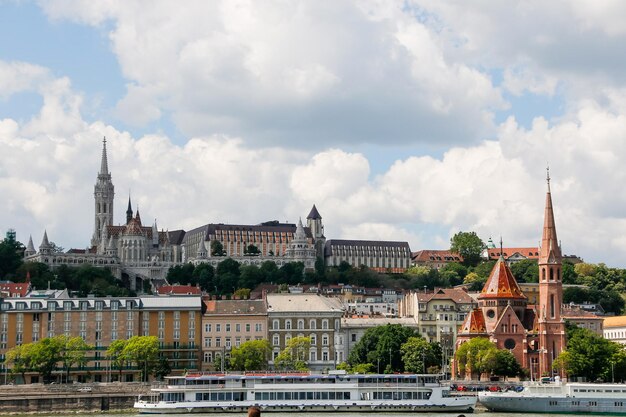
(39, 398)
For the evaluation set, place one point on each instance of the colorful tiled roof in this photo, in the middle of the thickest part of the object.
(528, 253)
(179, 290)
(433, 255)
(474, 323)
(501, 284)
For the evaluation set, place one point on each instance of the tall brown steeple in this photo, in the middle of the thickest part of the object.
(551, 325)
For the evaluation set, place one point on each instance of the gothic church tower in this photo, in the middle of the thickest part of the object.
(103, 196)
(551, 325)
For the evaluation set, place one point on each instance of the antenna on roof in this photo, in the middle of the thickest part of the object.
(548, 175)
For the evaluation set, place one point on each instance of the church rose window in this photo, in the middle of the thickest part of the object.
(491, 314)
(509, 344)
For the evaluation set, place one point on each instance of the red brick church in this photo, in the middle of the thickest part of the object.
(535, 334)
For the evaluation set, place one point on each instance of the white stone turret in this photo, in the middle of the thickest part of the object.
(155, 234)
(202, 251)
(103, 196)
(45, 248)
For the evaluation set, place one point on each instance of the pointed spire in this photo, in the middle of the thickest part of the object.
(104, 165)
(314, 214)
(202, 251)
(44, 242)
(111, 245)
(501, 284)
(550, 251)
(300, 233)
(129, 210)
(155, 234)
(138, 217)
(30, 248)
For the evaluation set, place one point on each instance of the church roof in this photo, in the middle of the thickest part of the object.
(501, 283)
(474, 323)
(314, 214)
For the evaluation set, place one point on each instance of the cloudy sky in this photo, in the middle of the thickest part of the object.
(407, 120)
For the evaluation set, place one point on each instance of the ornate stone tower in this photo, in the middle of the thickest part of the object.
(103, 196)
(314, 222)
(551, 325)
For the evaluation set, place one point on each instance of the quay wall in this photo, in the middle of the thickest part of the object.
(67, 398)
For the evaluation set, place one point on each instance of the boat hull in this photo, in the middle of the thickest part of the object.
(557, 404)
(457, 404)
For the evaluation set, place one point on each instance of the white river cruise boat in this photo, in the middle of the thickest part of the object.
(559, 397)
(335, 391)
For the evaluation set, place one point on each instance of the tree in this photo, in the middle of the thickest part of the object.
(380, 347)
(19, 360)
(217, 249)
(162, 368)
(44, 356)
(11, 255)
(474, 357)
(418, 355)
(72, 352)
(591, 356)
(251, 250)
(242, 293)
(250, 356)
(116, 356)
(505, 364)
(144, 352)
(469, 246)
(294, 356)
(526, 270)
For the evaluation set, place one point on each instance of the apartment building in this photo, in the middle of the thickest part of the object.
(309, 315)
(227, 324)
(100, 321)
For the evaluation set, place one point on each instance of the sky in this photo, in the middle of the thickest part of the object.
(401, 120)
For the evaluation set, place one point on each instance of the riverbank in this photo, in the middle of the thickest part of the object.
(64, 398)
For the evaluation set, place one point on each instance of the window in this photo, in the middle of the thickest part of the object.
(275, 325)
(207, 327)
(191, 334)
(208, 357)
(237, 341)
(324, 324)
(114, 305)
(176, 334)
(176, 324)
(325, 356)
(218, 327)
(312, 324)
(258, 327)
(313, 340)
(207, 342)
(218, 342)
(275, 340)
(247, 327)
(288, 324)
(228, 327)
(114, 315)
(98, 315)
(325, 340)
(161, 315)
(300, 324)
(238, 327)
(177, 315)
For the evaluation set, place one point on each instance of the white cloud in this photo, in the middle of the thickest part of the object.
(299, 74)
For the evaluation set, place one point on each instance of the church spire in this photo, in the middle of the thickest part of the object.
(550, 250)
(104, 164)
(129, 211)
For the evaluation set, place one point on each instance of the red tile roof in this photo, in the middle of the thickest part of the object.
(501, 284)
(433, 255)
(15, 289)
(474, 323)
(529, 253)
(178, 290)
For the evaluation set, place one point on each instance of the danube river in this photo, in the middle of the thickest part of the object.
(382, 414)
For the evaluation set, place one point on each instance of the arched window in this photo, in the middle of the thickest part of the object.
(325, 324)
(551, 274)
(312, 324)
(300, 324)
(552, 307)
(288, 324)
(275, 325)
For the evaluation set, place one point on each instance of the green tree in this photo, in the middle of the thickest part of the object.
(591, 356)
(526, 270)
(19, 359)
(469, 246)
(250, 276)
(115, 354)
(217, 249)
(44, 356)
(380, 347)
(418, 355)
(242, 293)
(144, 352)
(251, 250)
(205, 276)
(162, 368)
(11, 255)
(504, 364)
(250, 356)
(72, 352)
(294, 356)
(475, 357)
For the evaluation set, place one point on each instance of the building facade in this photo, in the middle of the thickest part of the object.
(380, 256)
(227, 324)
(614, 328)
(307, 315)
(100, 321)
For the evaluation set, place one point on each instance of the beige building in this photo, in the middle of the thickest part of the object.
(438, 315)
(308, 315)
(377, 255)
(614, 328)
(100, 321)
(227, 324)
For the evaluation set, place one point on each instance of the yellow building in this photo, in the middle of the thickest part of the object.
(99, 321)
